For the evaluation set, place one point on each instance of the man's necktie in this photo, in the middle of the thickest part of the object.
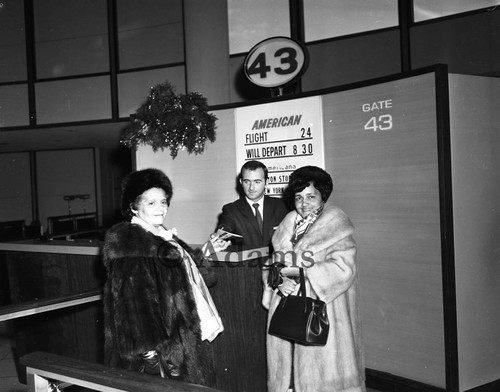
(258, 216)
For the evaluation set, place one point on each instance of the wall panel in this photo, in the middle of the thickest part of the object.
(387, 181)
(475, 142)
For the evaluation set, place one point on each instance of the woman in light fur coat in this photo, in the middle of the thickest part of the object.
(319, 238)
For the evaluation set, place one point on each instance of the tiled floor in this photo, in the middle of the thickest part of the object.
(8, 376)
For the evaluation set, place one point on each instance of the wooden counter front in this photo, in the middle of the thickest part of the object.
(38, 270)
(240, 350)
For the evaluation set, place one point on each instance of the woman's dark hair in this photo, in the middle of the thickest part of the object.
(304, 176)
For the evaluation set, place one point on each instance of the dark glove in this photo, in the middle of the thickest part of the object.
(274, 278)
(156, 365)
(150, 363)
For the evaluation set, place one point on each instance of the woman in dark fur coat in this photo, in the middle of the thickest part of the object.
(159, 315)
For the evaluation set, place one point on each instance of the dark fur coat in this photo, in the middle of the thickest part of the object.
(149, 305)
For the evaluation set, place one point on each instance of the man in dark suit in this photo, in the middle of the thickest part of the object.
(254, 216)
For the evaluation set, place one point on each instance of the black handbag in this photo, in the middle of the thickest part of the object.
(301, 319)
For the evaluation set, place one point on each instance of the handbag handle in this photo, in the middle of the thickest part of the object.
(274, 279)
(302, 289)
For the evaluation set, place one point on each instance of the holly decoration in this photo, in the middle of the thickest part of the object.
(168, 120)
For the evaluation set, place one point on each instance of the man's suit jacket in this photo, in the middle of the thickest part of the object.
(238, 217)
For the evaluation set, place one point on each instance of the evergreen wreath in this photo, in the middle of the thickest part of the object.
(168, 120)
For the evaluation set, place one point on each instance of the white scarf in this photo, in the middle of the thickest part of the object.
(301, 225)
(210, 321)
(159, 231)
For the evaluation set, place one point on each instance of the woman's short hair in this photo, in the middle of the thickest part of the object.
(304, 176)
(136, 183)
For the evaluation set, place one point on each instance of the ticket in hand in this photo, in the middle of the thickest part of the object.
(225, 235)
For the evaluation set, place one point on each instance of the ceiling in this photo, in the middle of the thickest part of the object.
(105, 135)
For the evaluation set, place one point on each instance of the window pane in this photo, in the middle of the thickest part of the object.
(12, 42)
(431, 9)
(14, 109)
(66, 172)
(325, 19)
(73, 100)
(71, 37)
(251, 21)
(15, 198)
(150, 32)
(134, 87)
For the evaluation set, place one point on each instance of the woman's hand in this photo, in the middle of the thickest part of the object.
(290, 272)
(219, 245)
(214, 244)
(288, 286)
(267, 294)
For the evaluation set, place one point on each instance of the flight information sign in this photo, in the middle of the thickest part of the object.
(283, 135)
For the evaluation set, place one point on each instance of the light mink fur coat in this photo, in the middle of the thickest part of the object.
(332, 277)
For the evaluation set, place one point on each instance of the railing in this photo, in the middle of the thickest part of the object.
(28, 308)
(47, 372)
(50, 372)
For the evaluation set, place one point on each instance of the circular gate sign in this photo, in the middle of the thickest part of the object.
(275, 62)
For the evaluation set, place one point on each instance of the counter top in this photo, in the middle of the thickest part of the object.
(72, 247)
(239, 255)
(93, 248)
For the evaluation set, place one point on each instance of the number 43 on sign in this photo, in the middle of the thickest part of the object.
(380, 123)
(276, 61)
